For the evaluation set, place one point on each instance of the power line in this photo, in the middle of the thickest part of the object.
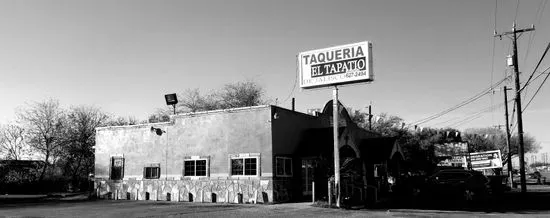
(446, 121)
(493, 58)
(517, 9)
(461, 104)
(538, 89)
(476, 115)
(538, 17)
(294, 86)
(536, 67)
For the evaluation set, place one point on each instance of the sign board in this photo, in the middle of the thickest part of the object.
(455, 161)
(351, 63)
(486, 160)
(450, 149)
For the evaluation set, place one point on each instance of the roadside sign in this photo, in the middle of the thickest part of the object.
(351, 63)
(486, 160)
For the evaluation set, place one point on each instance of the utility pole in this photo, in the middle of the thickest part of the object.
(370, 118)
(514, 37)
(510, 168)
(335, 114)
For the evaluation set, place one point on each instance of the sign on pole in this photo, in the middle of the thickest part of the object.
(351, 63)
(334, 66)
(486, 160)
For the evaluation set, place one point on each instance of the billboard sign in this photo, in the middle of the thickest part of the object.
(351, 63)
(486, 160)
(450, 149)
(455, 161)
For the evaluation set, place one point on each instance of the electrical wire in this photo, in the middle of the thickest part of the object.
(294, 86)
(517, 9)
(461, 104)
(536, 92)
(493, 57)
(513, 113)
(476, 115)
(536, 67)
(538, 17)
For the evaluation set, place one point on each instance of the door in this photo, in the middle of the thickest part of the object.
(308, 166)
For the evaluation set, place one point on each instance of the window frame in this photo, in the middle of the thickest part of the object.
(284, 159)
(153, 166)
(195, 159)
(243, 157)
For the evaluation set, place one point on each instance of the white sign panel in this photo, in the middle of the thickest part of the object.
(458, 161)
(343, 64)
(486, 160)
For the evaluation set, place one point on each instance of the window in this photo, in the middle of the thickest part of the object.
(117, 168)
(283, 166)
(195, 166)
(245, 166)
(152, 171)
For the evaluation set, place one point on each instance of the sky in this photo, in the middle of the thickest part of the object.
(124, 56)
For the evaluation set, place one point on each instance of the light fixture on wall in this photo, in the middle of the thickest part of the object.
(158, 131)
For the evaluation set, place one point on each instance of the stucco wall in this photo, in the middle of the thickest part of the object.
(215, 134)
(287, 129)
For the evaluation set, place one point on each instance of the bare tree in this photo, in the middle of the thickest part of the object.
(12, 144)
(484, 139)
(241, 94)
(44, 124)
(79, 139)
(192, 100)
(122, 121)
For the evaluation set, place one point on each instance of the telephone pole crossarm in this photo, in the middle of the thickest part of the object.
(514, 31)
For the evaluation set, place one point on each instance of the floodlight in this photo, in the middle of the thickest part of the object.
(171, 99)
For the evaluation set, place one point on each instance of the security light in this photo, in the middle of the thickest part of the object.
(158, 131)
(171, 99)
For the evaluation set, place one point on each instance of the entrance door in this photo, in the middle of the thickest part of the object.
(307, 176)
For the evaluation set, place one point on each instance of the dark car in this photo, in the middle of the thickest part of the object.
(456, 184)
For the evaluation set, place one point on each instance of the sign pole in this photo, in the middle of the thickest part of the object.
(335, 115)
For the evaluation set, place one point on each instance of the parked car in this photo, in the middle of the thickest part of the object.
(531, 178)
(456, 184)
